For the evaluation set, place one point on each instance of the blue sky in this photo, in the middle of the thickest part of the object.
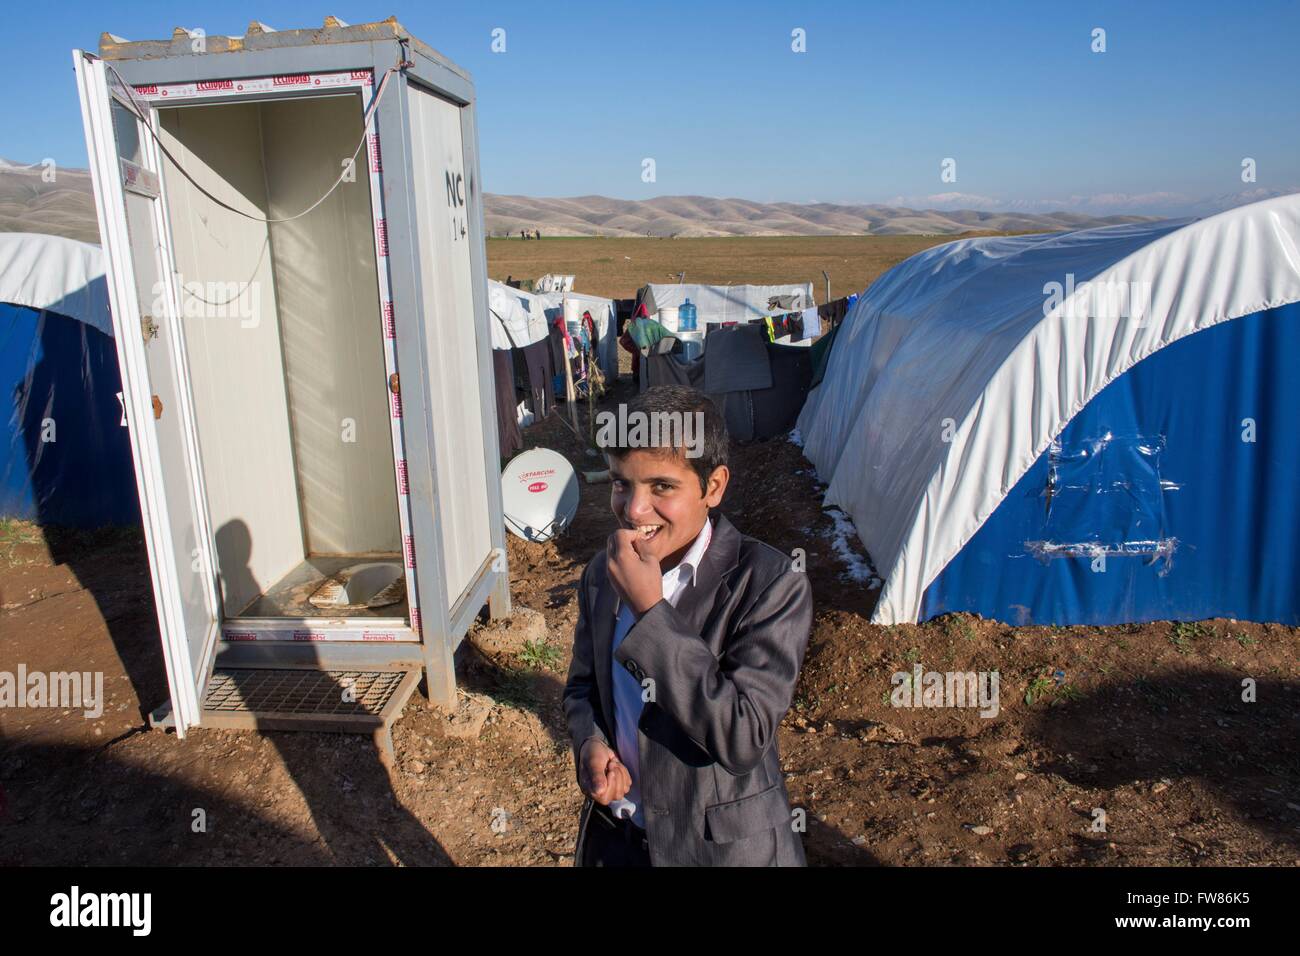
(715, 95)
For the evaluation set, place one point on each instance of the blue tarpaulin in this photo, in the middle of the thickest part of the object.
(68, 458)
(1170, 496)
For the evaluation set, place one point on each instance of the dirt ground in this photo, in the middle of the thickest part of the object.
(1144, 723)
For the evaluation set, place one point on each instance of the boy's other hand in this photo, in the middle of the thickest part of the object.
(635, 576)
(601, 774)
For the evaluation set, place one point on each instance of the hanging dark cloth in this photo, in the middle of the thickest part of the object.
(738, 412)
(624, 309)
(833, 313)
(821, 355)
(794, 324)
(669, 368)
(509, 437)
(737, 358)
(535, 366)
(558, 355)
(776, 409)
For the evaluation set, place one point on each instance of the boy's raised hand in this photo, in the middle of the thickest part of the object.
(601, 774)
(635, 576)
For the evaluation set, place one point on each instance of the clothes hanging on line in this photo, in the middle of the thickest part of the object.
(812, 323)
(509, 438)
(832, 313)
(794, 326)
(558, 341)
(535, 367)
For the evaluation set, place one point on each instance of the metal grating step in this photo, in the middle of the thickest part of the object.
(305, 692)
(308, 698)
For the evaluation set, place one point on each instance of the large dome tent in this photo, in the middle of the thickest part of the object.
(1086, 427)
(68, 458)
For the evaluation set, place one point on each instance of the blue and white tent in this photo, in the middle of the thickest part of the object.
(1092, 427)
(68, 458)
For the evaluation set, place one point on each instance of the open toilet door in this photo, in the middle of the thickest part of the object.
(125, 170)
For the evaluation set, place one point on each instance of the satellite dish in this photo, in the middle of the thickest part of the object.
(539, 494)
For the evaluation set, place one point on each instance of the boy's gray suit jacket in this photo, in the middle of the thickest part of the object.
(722, 667)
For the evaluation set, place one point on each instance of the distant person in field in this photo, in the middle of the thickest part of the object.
(687, 650)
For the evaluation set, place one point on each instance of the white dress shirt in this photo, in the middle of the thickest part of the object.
(628, 703)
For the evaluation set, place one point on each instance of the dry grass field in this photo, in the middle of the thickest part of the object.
(618, 267)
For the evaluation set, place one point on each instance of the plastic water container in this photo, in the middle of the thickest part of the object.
(692, 344)
(686, 317)
(573, 318)
(668, 318)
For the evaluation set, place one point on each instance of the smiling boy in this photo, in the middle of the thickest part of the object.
(687, 650)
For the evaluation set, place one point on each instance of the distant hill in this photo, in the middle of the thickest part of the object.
(701, 216)
(65, 207)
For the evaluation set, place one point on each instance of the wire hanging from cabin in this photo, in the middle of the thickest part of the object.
(365, 128)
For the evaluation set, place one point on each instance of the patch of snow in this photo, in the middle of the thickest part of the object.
(855, 565)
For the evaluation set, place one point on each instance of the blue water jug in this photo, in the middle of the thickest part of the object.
(686, 317)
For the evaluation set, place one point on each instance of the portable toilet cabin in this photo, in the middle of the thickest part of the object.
(291, 220)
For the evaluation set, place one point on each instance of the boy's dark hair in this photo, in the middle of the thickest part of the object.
(679, 401)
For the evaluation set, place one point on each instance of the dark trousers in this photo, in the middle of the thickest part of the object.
(612, 842)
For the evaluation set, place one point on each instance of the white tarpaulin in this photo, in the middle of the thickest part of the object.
(956, 369)
(61, 275)
(518, 318)
(730, 303)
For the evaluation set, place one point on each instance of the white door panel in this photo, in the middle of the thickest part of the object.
(441, 195)
(124, 169)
